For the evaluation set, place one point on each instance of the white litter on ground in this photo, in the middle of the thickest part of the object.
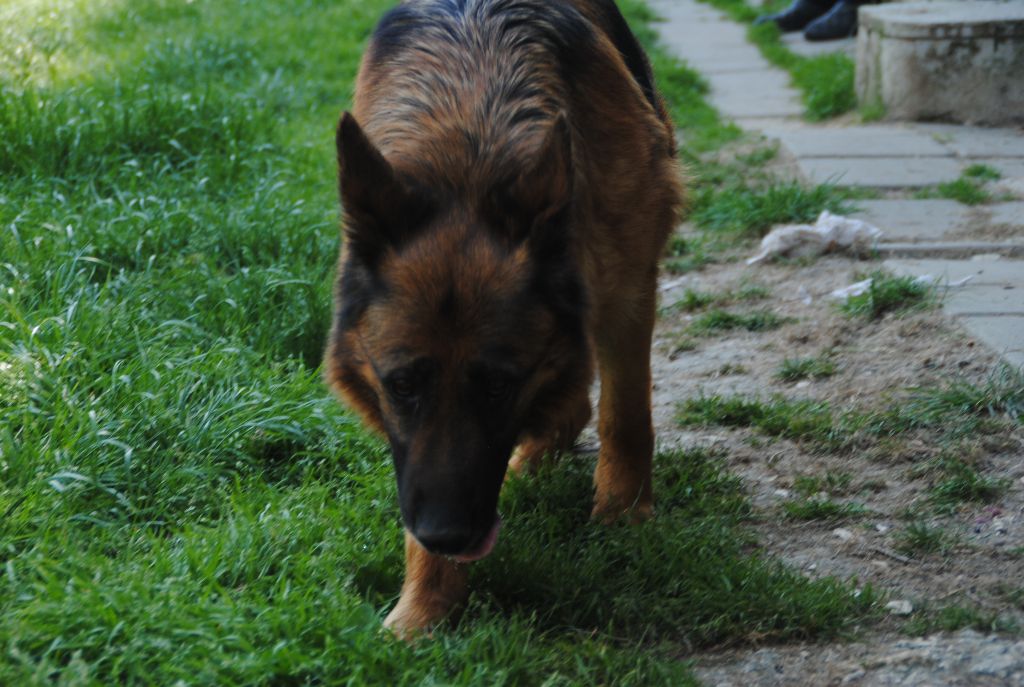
(829, 234)
(857, 288)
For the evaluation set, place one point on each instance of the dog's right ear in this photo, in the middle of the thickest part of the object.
(378, 208)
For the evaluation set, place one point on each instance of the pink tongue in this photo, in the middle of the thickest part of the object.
(485, 546)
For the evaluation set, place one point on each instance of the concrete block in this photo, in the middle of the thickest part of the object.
(725, 59)
(914, 220)
(984, 300)
(976, 141)
(984, 271)
(1007, 214)
(957, 60)
(859, 141)
(1004, 334)
(761, 94)
(1009, 167)
(880, 172)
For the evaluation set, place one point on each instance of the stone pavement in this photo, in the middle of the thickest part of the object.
(942, 238)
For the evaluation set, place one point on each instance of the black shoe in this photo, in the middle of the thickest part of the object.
(838, 22)
(798, 15)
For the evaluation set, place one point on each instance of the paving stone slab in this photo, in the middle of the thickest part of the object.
(880, 172)
(688, 26)
(754, 94)
(1007, 166)
(976, 141)
(725, 59)
(1011, 214)
(983, 270)
(914, 220)
(1004, 334)
(860, 141)
(984, 300)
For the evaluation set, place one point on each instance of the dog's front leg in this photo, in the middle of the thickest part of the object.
(434, 586)
(622, 479)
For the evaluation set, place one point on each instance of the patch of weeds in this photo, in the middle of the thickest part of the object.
(795, 369)
(889, 294)
(1013, 594)
(798, 420)
(983, 173)
(964, 190)
(718, 320)
(961, 483)
(953, 618)
(753, 211)
(968, 188)
(873, 112)
(957, 410)
(684, 255)
(750, 292)
(759, 157)
(834, 483)
(918, 538)
(693, 300)
(821, 509)
(731, 369)
(952, 414)
(680, 345)
(1001, 395)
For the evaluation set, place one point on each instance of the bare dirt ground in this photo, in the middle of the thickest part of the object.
(876, 362)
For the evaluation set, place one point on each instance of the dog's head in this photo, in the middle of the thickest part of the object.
(459, 326)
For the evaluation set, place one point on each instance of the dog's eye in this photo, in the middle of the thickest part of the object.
(498, 387)
(402, 388)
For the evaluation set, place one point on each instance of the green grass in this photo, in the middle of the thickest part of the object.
(834, 483)
(889, 294)
(821, 509)
(919, 538)
(693, 300)
(949, 416)
(982, 173)
(968, 188)
(751, 211)
(955, 617)
(960, 482)
(718, 320)
(181, 500)
(798, 420)
(796, 369)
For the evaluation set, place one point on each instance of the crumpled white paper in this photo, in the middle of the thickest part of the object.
(830, 233)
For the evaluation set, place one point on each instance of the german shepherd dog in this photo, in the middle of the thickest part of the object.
(508, 180)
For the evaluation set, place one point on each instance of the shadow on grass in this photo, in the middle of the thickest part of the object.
(688, 575)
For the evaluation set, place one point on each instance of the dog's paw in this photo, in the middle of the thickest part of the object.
(607, 512)
(528, 456)
(410, 620)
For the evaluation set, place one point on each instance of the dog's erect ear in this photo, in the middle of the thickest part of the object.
(379, 209)
(545, 189)
(539, 195)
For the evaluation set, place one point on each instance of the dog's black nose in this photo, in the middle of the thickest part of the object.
(445, 540)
